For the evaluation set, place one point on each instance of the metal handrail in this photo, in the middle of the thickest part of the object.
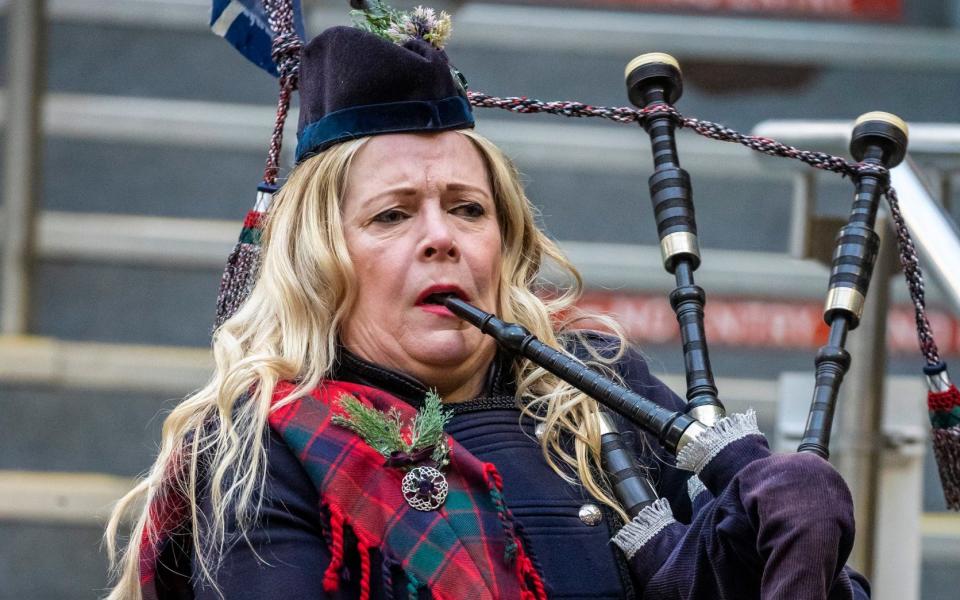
(934, 232)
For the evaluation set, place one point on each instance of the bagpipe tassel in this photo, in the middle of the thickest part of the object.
(240, 272)
(282, 22)
(943, 402)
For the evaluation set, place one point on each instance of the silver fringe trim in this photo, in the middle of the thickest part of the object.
(635, 534)
(695, 487)
(697, 454)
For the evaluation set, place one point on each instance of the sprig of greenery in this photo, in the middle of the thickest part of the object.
(399, 26)
(376, 18)
(384, 432)
(428, 424)
(381, 430)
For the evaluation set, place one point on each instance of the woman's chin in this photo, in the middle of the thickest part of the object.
(447, 348)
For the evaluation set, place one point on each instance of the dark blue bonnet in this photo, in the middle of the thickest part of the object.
(354, 83)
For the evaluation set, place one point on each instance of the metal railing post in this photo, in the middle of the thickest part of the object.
(804, 203)
(25, 52)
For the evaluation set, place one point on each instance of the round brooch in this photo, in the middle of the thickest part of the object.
(424, 488)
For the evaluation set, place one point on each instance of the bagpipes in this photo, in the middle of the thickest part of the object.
(654, 84)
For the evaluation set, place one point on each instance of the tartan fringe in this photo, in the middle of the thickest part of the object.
(413, 584)
(529, 578)
(364, 549)
(386, 574)
(531, 585)
(413, 587)
(331, 577)
(167, 512)
(495, 485)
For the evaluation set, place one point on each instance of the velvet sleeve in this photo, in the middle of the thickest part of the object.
(782, 528)
(723, 534)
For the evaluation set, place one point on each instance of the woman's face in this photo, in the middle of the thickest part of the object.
(419, 218)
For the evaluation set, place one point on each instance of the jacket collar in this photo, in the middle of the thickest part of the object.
(500, 384)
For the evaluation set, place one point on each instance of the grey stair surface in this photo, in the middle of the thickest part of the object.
(49, 428)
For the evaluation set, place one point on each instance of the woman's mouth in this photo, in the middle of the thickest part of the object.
(431, 299)
(437, 309)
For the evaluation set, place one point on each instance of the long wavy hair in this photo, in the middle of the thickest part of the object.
(287, 330)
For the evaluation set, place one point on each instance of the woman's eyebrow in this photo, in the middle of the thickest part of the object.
(401, 191)
(466, 187)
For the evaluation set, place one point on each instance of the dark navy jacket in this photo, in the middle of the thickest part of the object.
(286, 553)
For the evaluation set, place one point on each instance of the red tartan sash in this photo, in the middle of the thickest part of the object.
(466, 549)
(469, 548)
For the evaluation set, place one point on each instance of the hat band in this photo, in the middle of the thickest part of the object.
(376, 119)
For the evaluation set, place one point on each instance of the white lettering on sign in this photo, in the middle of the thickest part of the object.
(756, 323)
(865, 9)
(824, 7)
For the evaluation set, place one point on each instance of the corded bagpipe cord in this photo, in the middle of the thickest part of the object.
(943, 399)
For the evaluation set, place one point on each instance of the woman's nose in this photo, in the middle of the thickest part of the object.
(439, 239)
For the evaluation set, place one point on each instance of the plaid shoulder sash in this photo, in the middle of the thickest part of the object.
(468, 548)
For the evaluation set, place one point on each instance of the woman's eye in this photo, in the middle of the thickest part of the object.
(472, 210)
(390, 216)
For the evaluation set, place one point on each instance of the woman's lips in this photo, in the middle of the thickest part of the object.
(437, 309)
(433, 294)
(430, 299)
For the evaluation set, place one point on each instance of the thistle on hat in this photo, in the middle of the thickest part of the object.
(400, 27)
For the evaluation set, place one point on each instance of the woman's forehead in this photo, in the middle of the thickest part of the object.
(419, 159)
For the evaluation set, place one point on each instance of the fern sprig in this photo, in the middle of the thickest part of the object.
(376, 18)
(381, 430)
(399, 26)
(384, 432)
(429, 422)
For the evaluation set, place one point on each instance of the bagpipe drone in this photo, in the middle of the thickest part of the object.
(270, 34)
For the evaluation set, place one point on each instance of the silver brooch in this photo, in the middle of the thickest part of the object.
(424, 488)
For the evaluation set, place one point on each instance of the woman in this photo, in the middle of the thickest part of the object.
(265, 486)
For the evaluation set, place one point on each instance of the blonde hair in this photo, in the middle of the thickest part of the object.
(287, 331)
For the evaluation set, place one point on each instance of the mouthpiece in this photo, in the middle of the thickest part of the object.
(464, 310)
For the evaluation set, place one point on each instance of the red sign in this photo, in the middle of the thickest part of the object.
(857, 9)
(649, 319)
